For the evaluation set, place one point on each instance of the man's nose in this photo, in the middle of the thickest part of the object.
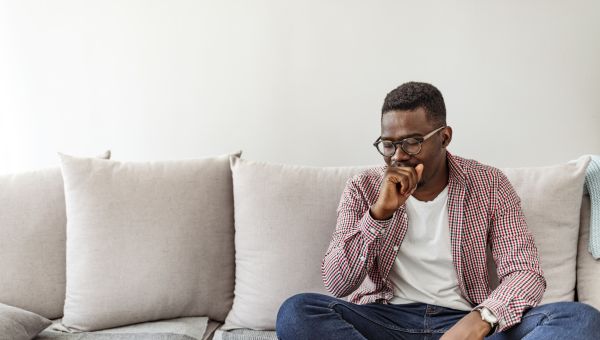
(400, 155)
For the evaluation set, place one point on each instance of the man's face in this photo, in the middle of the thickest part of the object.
(399, 124)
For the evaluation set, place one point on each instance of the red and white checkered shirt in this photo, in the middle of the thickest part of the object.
(483, 209)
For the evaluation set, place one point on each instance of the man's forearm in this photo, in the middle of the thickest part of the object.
(350, 255)
(516, 293)
(470, 327)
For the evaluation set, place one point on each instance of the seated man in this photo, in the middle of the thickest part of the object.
(410, 243)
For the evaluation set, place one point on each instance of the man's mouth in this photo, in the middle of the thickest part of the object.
(404, 164)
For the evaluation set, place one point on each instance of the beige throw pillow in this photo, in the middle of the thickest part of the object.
(284, 218)
(551, 201)
(32, 241)
(147, 241)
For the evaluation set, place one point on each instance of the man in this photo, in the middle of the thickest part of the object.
(410, 242)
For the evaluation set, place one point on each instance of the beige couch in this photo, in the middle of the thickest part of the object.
(151, 250)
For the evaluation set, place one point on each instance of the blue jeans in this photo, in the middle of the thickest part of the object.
(318, 316)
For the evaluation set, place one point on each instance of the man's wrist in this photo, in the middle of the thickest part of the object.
(488, 317)
(378, 214)
(485, 328)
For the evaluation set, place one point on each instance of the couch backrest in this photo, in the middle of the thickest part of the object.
(32, 238)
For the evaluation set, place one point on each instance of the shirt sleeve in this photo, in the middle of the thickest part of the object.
(354, 245)
(522, 282)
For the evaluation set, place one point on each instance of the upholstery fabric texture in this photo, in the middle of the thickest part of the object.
(244, 334)
(187, 328)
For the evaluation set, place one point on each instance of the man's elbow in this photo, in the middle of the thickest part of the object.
(335, 283)
(338, 291)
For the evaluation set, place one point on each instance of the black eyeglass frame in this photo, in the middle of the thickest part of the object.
(420, 140)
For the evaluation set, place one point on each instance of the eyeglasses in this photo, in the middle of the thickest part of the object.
(411, 145)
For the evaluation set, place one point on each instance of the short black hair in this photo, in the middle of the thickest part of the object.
(412, 95)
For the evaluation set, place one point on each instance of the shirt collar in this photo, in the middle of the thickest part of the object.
(456, 172)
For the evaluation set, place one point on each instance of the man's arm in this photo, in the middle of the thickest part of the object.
(469, 327)
(353, 248)
(522, 282)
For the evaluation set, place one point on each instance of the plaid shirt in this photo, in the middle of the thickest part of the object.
(483, 209)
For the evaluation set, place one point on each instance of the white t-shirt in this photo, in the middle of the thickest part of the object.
(423, 270)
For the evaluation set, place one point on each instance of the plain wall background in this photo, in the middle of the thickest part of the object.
(293, 82)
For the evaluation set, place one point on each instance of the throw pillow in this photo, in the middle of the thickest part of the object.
(284, 218)
(32, 241)
(19, 324)
(551, 201)
(147, 241)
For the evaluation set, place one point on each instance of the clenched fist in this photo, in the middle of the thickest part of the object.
(397, 185)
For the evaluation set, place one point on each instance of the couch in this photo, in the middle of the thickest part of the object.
(209, 248)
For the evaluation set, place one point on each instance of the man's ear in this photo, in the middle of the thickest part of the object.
(446, 136)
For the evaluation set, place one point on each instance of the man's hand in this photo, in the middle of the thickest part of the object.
(470, 327)
(397, 185)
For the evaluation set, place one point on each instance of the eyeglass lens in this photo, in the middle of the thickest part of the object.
(410, 145)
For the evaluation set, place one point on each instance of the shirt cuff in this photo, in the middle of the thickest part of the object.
(494, 310)
(372, 228)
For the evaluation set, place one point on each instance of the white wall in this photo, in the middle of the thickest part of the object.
(295, 82)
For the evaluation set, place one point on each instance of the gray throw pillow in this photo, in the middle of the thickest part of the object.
(19, 324)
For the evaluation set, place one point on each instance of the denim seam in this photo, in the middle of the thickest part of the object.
(426, 318)
(395, 328)
(331, 304)
(545, 319)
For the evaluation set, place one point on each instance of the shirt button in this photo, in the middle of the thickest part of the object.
(372, 230)
(362, 258)
(396, 248)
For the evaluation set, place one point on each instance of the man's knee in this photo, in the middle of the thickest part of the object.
(294, 311)
(580, 313)
(586, 315)
(293, 305)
